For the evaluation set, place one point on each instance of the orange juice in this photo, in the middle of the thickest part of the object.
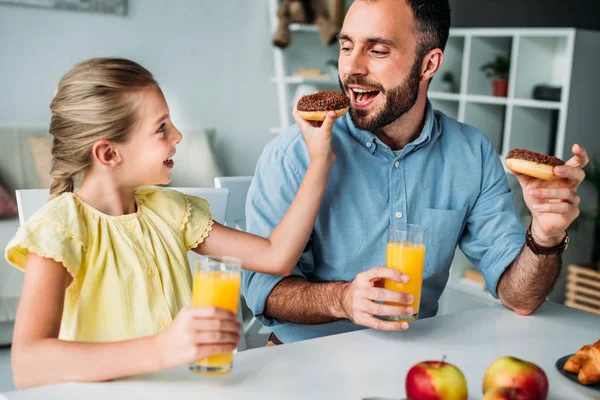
(217, 289)
(409, 259)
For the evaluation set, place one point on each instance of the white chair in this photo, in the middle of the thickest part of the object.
(30, 200)
(236, 205)
(217, 198)
(236, 218)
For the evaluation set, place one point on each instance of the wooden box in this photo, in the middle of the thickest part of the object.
(583, 288)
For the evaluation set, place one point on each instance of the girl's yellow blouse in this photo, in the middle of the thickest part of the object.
(131, 274)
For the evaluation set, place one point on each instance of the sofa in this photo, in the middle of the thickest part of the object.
(25, 164)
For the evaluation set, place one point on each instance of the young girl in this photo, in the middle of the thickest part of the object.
(107, 279)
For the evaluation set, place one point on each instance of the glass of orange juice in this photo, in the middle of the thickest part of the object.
(217, 284)
(406, 253)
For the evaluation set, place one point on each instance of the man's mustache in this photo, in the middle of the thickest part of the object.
(354, 80)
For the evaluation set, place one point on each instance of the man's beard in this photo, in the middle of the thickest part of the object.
(399, 100)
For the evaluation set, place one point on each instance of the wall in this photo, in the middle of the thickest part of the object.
(526, 13)
(212, 58)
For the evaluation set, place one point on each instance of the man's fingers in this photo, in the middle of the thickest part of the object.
(556, 195)
(569, 172)
(379, 294)
(381, 325)
(554, 208)
(373, 308)
(385, 273)
(580, 158)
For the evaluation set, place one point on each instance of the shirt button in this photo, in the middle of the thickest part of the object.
(398, 215)
(397, 164)
(163, 323)
(369, 144)
(150, 272)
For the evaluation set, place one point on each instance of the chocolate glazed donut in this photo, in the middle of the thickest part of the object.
(314, 107)
(533, 164)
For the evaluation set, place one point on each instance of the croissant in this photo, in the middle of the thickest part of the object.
(574, 363)
(590, 370)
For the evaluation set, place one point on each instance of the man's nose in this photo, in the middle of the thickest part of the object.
(355, 64)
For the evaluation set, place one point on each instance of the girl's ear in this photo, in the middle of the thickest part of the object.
(106, 153)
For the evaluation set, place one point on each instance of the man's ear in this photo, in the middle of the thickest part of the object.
(106, 154)
(431, 64)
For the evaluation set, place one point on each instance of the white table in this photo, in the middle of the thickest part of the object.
(366, 363)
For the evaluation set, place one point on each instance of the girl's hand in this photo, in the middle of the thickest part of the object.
(318, 137)
(195, 333)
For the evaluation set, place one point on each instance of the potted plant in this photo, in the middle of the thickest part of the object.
(448, 82)
(498, 71)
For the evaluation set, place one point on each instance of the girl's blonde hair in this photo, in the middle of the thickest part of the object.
(94, 100)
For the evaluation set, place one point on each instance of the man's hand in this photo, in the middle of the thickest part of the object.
(359, 296)
(554, 205)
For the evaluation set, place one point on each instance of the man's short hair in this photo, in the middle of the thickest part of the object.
(432, 18)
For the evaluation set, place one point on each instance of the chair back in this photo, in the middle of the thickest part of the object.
(29, 201)
(216, 197)
(236, 205)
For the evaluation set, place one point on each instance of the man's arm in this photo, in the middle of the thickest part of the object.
(296, 300)
(554, 205)
(524, 285)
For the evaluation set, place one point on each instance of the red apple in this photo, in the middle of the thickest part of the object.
(506, 393)
(513, 372)
(435, 380)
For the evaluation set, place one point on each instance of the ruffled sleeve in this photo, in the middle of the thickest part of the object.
(46, 239)
(196, 222)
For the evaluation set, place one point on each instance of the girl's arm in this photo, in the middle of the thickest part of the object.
(40, 358)
(280, 252)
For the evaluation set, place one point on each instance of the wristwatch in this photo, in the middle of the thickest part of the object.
(546, 251)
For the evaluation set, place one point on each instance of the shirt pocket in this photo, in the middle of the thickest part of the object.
(444, 228)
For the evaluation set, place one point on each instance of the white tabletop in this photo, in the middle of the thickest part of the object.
(366, 363)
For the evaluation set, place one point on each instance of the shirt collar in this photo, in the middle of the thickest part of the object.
(369, 140)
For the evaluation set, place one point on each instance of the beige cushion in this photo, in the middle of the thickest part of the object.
(41, 149)
(195, 163)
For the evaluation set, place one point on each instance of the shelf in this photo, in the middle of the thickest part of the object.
(550, 105)
(444, 96)
(489, 118)
(453, 64)
(534, 129)
(502, 101)
(448, 107)
(297, 80)
(541, 61)
(303, 28)
(484, 50)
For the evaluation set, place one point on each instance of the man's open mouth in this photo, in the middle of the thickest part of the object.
(363, 97)
(169, 162)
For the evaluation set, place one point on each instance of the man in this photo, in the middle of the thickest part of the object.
(399, 161)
